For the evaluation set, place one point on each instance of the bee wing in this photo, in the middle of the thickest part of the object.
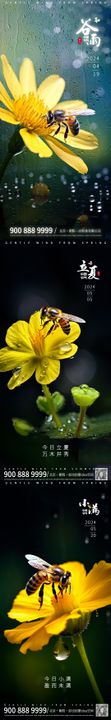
(86, 111)
(74, 318)
(79, 111)
(37, 562)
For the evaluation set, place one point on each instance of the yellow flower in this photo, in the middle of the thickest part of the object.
(88, 592)
(28, 108)
(31, 349)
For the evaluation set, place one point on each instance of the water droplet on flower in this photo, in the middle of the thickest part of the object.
(65, 348)
(61, 651)
(16, 372)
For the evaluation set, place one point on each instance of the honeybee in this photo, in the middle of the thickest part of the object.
(46, 575)
(59, 318)
(68, 119)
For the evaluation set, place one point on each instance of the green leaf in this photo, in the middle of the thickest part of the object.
(22, 427)
(93, 427)
(42, 404)
(84, 396)
(58, 402)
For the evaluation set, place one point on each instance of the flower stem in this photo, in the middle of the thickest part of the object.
(80, 647)
(4, 164)
(51, 406)
(15, 146)
(80, 422)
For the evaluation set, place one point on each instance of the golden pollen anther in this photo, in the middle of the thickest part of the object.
(31, 113)
(38, 342)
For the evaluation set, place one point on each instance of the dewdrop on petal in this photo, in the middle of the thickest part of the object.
(61, 651)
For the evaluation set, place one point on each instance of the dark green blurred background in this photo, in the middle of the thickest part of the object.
(33, 277)
(47, 520)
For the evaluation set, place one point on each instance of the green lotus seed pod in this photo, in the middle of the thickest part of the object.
(84, 396)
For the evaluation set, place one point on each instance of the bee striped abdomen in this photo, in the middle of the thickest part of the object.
(65, 325)
(33, 584)
(75, 127)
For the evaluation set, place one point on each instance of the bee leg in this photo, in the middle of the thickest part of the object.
(54, 591)
(52, 122)
(56, 132)
(66, 131)
(41, 595)
(54, 326)
(61, 591)
(45, 322)
(69, 588)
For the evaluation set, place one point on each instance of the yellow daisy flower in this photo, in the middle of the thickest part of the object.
(88, 592)
(32, 350)
(28, 108)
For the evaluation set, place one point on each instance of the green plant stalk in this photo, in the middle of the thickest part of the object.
(52, 411)
(81, 649)
(15, 146)
(4, 164)
(80, 422)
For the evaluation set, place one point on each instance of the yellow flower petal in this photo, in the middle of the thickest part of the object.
(27, 77)
(50, 90)
(34, 631)
(35, 324)
(34, 143)
(8, 116)
(47, 370)
(71, 105)
(10, 359)
(97, 589)
(4, 97)
(85, 140)
(22, 631)
(17, 336)
(36, 641)
(67, 156)
(58, 625)
(64, 351)
(11, 78)
(58, 337)
(27, 607)
(22, 375)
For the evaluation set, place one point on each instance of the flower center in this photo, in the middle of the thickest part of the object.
(31, 112)
(64, 603)
(38, 342)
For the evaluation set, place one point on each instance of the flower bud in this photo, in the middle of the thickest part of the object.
(84, 396)
(22, 427)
